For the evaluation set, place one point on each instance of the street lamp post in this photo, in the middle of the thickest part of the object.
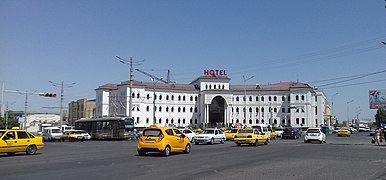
(348, 109)
(130, 63)
(245, 96)
(332, 106)
(154, 108)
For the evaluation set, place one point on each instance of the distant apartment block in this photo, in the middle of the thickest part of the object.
(81, 108)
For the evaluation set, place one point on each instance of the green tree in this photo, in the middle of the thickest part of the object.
(12, 120)
(380, 117)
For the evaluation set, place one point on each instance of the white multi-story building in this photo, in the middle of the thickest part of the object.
(211, 101)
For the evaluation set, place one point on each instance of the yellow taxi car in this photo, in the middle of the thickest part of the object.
(344, 132)
(250, 136)
(164, 140)
(231, 133)
(273, 134)
(73, 135)
(14, 140)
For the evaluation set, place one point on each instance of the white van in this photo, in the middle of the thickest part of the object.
(262, 128)
(52, 134)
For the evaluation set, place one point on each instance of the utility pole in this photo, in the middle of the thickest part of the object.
(153, 78)
(130, 63)
(245, 96)
(62, 86)
(2, 100)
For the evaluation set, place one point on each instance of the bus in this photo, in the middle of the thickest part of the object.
(106, 127)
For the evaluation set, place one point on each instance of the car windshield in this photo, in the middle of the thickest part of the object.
(313, 131)
(233, 131)
(152, 132)
(55, 130)
(1, 133)
(246, 131)
(208, 131)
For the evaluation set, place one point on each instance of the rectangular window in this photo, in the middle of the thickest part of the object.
(297, 120)
(316, 110)
(303, 121)
(283, 110)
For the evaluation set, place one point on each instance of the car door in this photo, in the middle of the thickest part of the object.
(180, 139)
(23, 140)
(10, 142)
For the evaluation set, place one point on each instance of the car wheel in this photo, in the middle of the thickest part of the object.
(167, 151)
(31, 149)
(266, 142)
(211, 141)
(187, 149)
(238, 144)
(321, 142)
(256, 142)
(196, 143)
(305, 141)
(141, 153)
(222, 141)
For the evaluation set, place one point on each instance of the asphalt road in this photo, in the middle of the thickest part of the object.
(340, 158)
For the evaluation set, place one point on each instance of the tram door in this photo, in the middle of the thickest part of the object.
(116, 129)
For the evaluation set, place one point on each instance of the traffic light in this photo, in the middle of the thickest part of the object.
(48, 94)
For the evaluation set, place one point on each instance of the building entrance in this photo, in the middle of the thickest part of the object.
(217, 112)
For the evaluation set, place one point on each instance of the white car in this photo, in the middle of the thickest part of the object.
(188, 133)
(210, 136)
(86, 135)
(314, 134)
(279, 131)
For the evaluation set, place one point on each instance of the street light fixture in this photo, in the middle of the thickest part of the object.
(245, 96)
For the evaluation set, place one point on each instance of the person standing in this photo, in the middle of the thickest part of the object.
(377, 136)
(135, 134)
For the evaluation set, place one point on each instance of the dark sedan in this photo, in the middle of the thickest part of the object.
(292, 133)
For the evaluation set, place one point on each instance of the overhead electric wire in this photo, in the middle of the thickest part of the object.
(354, 78)
(354, 84)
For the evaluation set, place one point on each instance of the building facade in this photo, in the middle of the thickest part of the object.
(81, 108)
(210, 101)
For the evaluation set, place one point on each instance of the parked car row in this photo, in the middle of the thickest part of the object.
(53, 134)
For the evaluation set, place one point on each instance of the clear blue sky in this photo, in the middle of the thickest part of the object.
(275, 41)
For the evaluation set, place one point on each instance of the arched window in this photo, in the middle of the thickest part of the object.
(172, 121)
(237, 109)
(257, 98)
(237, 98)
(147, 96)
(250, 109)
(159, 121)
(257, 121)
(167, 109)
(274, 98)
(283, 98)
(262, 121)
(195, 98)
(283, 121)
(257, 109)
(237, 120)
(244, 121)
(262, 98)
(138, 95)
(275, 121)
(269, 98)
(183, 109)
(147, 120)
(172, 97)
(195, 121)
(172, 109)
(179, 109)
(206, 86)
(223, 87)
(214, 86)
(262, 109)
(179, 121)
(160, 109)
(250, 98)
(147, 108)
(160, 97)
(195, 109)
(191, 109)
(179, 98)
(183, 121)
(183, 98)
(133, 95)
(191, 121)
(297, 97)
(167, 120)
(250, 121)
(302, 97)
(191, 98)
(210, 86)
(167, 97)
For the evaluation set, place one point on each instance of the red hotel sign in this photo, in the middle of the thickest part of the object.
(215, 73)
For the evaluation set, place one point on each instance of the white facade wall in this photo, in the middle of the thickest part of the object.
(102, 103)
(296, 108)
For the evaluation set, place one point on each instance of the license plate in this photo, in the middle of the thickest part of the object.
(150, 140)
